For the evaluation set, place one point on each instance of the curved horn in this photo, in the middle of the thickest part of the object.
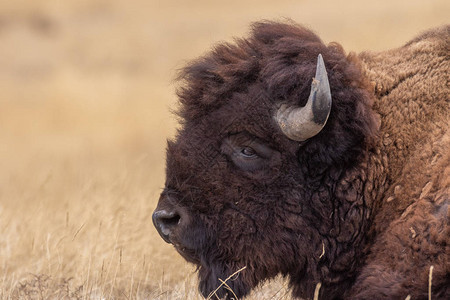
(302, 123)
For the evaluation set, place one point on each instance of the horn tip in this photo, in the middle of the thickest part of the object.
(320, 59)
(321, 71)
(320, 62)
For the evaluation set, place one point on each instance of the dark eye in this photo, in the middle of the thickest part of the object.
(248, 152)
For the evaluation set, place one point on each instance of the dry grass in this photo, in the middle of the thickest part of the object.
(85, 88)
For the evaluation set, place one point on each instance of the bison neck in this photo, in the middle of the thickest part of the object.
(411, 98)
(411, 89)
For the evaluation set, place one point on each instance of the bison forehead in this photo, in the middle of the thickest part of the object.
(251, 111)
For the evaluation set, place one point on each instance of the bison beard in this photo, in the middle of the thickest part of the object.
(258, 177)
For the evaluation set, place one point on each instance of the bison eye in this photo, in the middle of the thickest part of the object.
(248, 152)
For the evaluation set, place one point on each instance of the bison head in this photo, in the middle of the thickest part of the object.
(253, 173)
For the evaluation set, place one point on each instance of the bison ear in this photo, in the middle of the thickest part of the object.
(302, 123)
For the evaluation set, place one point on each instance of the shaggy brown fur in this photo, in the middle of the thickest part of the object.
(361, 208)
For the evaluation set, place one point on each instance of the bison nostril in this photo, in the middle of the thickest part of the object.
(165, 222)
(171, 221)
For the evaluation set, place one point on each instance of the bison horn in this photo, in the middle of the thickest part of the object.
(302, 123)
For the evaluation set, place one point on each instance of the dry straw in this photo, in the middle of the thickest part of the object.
(430, 280)
(317, 290)
(224, 283)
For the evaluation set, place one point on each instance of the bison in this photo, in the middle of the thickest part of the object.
(328, 168)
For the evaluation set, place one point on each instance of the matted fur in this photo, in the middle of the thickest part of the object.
(336, 209)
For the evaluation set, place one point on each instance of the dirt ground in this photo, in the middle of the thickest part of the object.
(86, 89)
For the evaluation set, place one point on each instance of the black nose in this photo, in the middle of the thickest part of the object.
(165, 222)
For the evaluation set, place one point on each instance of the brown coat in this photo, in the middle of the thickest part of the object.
(411, 85)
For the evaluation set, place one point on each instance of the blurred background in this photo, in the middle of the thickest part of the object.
(86, 89)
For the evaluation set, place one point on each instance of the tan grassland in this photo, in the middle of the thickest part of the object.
(86, 88)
